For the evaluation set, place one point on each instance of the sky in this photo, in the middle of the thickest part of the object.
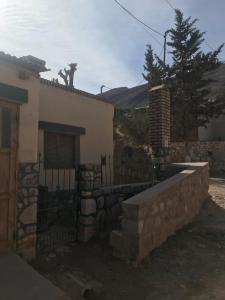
(106, 43)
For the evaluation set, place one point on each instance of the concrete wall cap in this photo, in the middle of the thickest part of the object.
(158, 87)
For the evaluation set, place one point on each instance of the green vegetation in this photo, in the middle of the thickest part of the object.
(191, 99)
(134, 124)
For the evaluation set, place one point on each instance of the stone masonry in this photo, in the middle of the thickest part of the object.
(27, 197)
(211, 151)
(159, 111)
(100, 207)
(150, 217)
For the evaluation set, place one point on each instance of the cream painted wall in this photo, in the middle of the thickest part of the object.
(59, 106)
(29, 112)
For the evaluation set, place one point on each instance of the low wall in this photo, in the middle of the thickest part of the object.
(211, 151)
(101, 208)
(150, 217)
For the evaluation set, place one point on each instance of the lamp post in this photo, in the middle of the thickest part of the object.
(165, 43)
(102, 87)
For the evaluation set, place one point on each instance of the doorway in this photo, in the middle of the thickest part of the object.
(8, 171)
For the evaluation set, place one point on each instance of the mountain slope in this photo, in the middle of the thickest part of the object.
(138, 96)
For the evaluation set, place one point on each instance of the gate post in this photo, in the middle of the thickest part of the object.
(89, 182)
(27, 197)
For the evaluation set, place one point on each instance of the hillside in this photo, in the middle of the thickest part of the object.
(128, 97)
(137, 96)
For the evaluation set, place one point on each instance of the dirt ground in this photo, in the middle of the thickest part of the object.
(190, 265)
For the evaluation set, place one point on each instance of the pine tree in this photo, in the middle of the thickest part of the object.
(191, 101)
(154, 68)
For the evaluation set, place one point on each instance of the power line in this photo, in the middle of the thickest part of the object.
(173, 8)
(137, 19)
(160, 44)
(170, 5)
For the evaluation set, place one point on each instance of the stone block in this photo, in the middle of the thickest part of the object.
(30, 180)
(27, 246)
(32, 192)
(89, 220)
(88, 206)
(29, 215)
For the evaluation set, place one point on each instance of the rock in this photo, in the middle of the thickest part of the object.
(89, 220)
(88, 206)
(32, 192)
(85, 286)
(24, 193)
(29, 215)
(19, 205)
(30, 180)
(33, 199)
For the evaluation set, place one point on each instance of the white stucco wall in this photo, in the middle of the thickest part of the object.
(60, 106)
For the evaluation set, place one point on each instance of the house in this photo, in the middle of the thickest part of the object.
(45, 128)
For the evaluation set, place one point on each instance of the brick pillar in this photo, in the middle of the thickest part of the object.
(159, 118)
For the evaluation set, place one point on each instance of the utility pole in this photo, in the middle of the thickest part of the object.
(102, 87)
(165, 44)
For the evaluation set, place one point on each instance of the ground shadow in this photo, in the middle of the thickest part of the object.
(190, 265)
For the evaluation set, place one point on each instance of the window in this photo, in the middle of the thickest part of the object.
(5, 128)
(61, 150)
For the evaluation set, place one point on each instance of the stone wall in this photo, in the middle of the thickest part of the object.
(27, 196)
(150, 217)
(211, 151)
(101, 208)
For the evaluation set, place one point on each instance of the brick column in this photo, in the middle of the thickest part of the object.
(159, 117)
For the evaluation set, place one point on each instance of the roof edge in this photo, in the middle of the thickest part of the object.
(74, 91)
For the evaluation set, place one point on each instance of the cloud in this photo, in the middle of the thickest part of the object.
(107, 44)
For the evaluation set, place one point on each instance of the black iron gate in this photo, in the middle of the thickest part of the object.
(58, 207)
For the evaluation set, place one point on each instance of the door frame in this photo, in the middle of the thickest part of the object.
(12, 217)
